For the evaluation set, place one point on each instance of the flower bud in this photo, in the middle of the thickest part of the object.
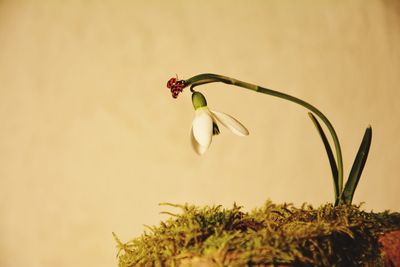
(198, 100)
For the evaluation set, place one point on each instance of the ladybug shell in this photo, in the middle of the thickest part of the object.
(171, 82)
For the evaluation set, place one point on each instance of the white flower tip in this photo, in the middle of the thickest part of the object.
(231, 123)
(199, 149)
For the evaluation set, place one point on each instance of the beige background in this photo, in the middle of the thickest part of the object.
(91, 140)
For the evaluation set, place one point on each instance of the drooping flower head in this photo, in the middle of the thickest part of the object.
(205, 124)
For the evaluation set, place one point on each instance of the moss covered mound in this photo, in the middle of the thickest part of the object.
(274, 235)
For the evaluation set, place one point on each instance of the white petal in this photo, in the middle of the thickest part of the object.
(202, 128)
(231, 123)
(196, 146)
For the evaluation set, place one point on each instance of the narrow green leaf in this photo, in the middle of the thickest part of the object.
(358, 167)
(331, 158)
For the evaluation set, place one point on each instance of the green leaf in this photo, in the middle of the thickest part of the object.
(331, 158)
(358, 167)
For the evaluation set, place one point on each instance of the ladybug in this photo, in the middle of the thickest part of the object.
(171, 82)
(176, 86)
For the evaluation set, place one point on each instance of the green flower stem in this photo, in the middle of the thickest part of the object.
(209, 78)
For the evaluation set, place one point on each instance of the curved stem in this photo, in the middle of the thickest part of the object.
(209, 78)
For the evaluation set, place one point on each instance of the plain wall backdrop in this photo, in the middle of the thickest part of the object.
(91, 140)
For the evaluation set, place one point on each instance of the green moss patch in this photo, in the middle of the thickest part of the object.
(269, 236)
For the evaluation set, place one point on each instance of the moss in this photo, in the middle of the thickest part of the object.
(272, 235)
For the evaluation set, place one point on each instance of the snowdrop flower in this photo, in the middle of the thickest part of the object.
(205, 124)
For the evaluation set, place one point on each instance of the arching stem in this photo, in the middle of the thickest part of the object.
(210, 78)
